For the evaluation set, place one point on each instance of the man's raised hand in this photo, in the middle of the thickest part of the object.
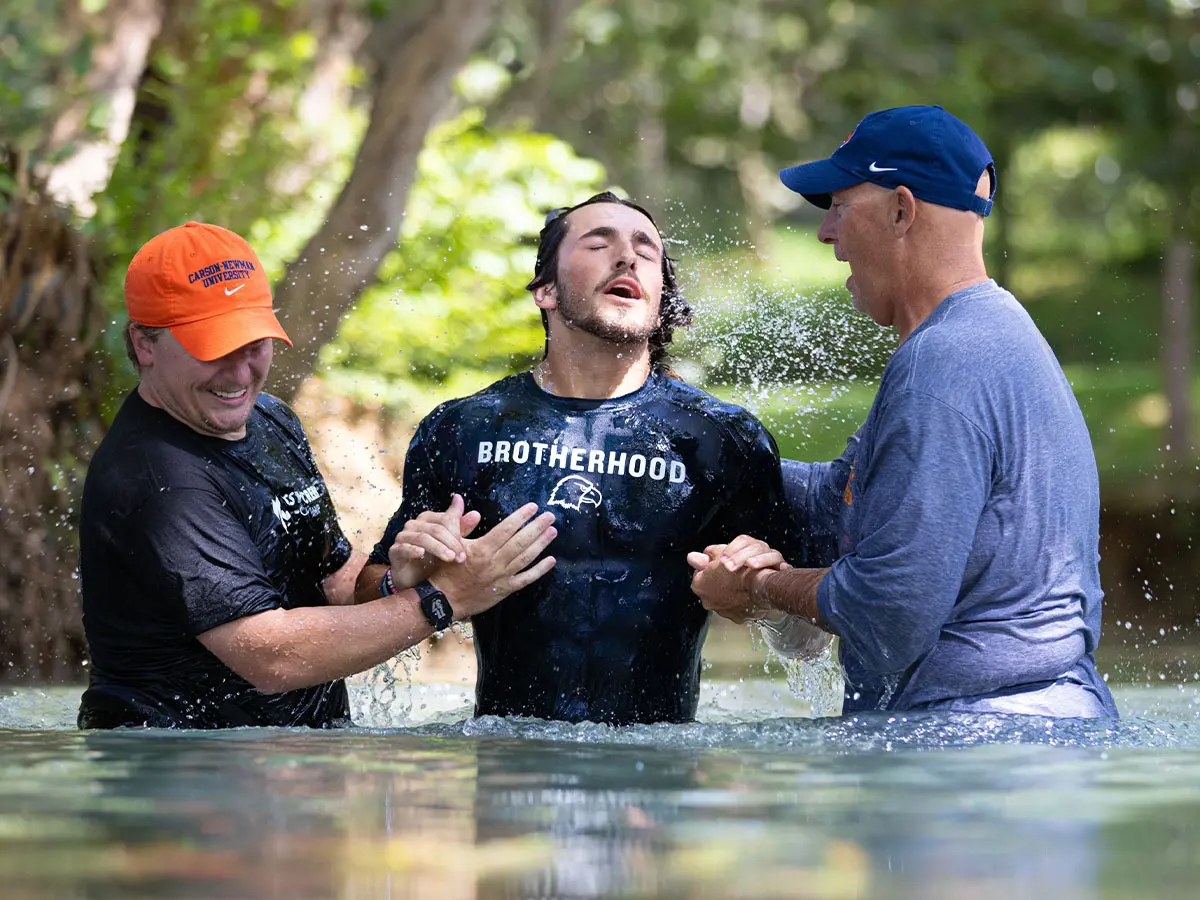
(495, 565)
(430, 538)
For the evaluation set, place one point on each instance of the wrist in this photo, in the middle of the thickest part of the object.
(760, 596)
(387, 584)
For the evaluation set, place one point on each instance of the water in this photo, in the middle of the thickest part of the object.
(744, 802)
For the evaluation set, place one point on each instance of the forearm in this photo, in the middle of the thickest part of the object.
(285, 649)
(366, 588)
(340, 587)
(791, 591)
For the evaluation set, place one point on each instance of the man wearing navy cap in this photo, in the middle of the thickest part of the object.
(969, 578)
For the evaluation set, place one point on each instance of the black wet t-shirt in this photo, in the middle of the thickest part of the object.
(613, 633)
(180, 533)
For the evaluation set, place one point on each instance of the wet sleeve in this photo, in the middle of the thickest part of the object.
(195, 553)
(795, 638)
(924, 490)
(423, 489)
(814, 494)
(759, 506)
(763, 509)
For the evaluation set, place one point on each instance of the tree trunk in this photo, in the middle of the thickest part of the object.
(416, 56)
(111, 83)
(50, 317)
(1178, 349)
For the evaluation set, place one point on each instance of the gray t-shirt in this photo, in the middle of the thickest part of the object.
(970, 526)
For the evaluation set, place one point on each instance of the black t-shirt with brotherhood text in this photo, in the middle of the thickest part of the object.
(181, 532)
(613, 633)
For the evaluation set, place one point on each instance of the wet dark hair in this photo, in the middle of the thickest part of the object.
(673, 312)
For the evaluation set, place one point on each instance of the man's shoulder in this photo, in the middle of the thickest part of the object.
(133, 466)
(700, 402)
(985, 339)
(484, 403)
(140, 432)
(270, 408)
(727, 417)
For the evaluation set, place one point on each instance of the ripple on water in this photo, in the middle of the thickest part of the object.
(741, 716)
(864, 733)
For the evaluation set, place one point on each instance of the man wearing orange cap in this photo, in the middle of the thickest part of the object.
(218, 588)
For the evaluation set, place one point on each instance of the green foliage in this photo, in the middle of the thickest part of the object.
(221, 137)
(693, 101)
(450, 306)
(36, 55)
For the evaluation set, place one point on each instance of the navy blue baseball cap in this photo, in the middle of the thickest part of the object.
(924, 148)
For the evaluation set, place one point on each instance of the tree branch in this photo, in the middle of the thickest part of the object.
(417, 59)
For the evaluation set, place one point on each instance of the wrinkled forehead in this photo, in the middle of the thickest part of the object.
(623, 219)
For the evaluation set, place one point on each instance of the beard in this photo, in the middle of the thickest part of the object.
(578, 312)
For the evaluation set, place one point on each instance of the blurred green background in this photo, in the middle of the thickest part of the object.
(392, 160)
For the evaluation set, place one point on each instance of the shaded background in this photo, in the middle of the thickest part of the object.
(391, 161)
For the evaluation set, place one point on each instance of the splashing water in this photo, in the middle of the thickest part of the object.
(818, 680)
(389, 696)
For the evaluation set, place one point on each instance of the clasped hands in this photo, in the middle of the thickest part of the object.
(729, 578)
(473, 573)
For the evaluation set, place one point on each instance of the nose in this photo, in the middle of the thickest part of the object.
(627, 257)
(827, 233)
(237, 365)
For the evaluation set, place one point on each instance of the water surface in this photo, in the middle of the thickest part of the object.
(753, 800)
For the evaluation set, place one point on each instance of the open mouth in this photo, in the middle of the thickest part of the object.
(625, 288)
(229, 395)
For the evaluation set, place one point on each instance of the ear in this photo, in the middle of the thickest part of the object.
(143, 347)
(902, 211)
(546, 297)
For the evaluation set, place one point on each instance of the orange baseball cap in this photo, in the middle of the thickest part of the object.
(206, 285)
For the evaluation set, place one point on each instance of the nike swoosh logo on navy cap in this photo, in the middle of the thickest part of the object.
(875, 168)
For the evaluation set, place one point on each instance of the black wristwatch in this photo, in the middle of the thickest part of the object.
(435, 606)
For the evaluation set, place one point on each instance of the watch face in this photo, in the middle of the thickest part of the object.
(440, 608)
(436, 607)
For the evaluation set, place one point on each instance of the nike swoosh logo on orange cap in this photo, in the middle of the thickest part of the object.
(229, 293)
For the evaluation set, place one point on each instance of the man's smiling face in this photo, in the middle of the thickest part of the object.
(212, 397)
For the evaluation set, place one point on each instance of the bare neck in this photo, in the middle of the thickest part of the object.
(593, 369)
(947, 258)
(922, 302)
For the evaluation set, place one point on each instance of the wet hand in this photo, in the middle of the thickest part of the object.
(730, 592)
(747, 552)
(430, 539)
(497, 564)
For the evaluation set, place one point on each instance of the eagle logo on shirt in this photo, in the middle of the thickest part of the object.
(574, 491)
